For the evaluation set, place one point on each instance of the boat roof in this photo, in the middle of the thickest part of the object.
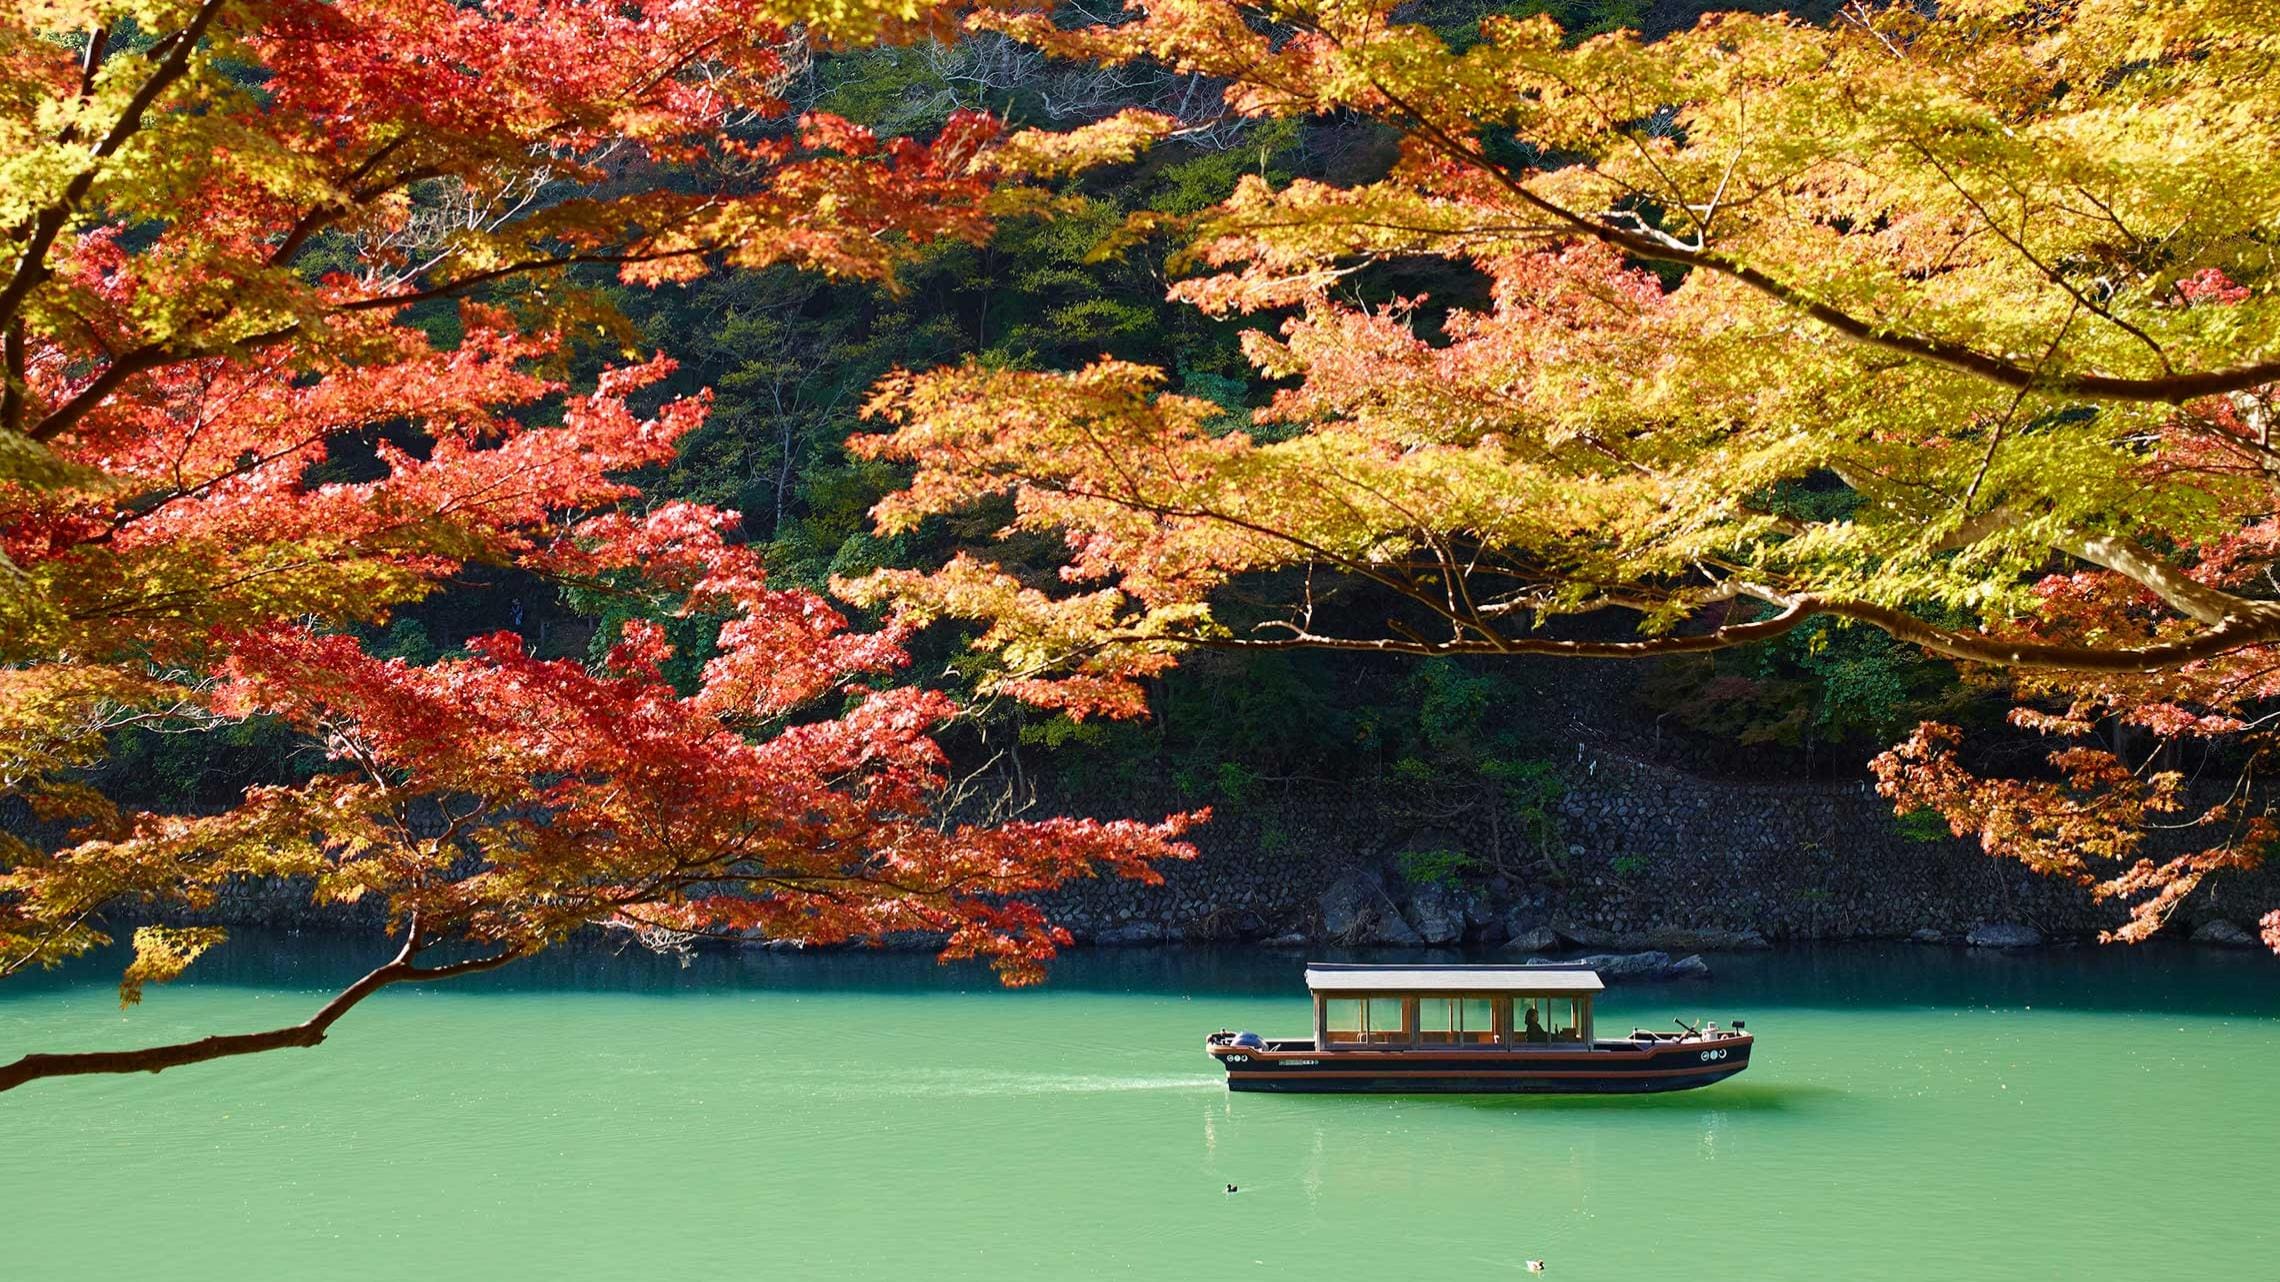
(1344, 977)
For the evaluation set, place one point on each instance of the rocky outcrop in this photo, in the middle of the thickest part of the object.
(1689, 967)
(2004, 934)
(2225, 934)
(1537, 939)
(1649, 965)
(1356, 911)
(1437, 914)
(1646, 965)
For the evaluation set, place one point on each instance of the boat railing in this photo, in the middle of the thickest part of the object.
(1686, 1035)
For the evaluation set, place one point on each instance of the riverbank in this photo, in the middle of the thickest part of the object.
(1638, 856)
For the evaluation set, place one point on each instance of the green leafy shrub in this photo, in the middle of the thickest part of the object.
(1436, 867)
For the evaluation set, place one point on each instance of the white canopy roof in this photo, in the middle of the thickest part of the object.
(1329, 978)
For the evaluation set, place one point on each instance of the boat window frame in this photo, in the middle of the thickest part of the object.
(1406, 1003)
(1494, 1028)
(1579, 1011)
(1407, 1033)
(1504, 1011)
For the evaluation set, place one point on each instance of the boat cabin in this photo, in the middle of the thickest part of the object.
(1401, 1030)
(1417, 1007)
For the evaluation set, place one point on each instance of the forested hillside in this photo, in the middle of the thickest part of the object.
(792, 356)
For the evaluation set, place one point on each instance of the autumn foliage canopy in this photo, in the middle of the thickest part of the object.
(1955, 322)
(294, 296)
(302, 306)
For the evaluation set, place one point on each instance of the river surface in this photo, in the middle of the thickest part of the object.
(1909, 1113)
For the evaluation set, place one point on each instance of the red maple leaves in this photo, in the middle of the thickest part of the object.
(240, 417)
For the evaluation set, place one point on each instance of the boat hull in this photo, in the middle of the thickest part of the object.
(1601, 1070)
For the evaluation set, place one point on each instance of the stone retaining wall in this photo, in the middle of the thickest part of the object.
(1646, 854)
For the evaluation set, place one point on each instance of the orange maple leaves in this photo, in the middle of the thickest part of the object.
(237, 420)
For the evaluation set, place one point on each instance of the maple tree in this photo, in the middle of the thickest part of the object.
(241, 416)
(1990, 285)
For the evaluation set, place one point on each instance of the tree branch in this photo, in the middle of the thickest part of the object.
(309, 1032)
(15, 396)
(2259, 626)
(1723, 638)
(31, 266)
(2185, 594)
(2168, 389)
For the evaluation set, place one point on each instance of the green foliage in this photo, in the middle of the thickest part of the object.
(1436, 867)
(1530, 792)
(898, 89)
(1824, 685)
(1238, 783)
(1924, 825)
(174, 768)
(1581, 19)
(407, 639)
(1228, 393)
(1274, 839)
(1061, 731)
(1203, 180)
(615, 603)
(1816, 498)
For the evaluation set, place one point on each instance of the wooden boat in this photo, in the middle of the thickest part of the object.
(1472, 1029)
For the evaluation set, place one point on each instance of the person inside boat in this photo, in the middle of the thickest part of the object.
(1532, 1029)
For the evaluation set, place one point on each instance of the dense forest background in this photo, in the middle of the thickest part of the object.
(790, 357)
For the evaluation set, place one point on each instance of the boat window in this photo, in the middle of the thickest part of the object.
(1438, 1019)
(1375, 1021)
(1545, 1020)
(1456, 1020)
(1480, 1020)
(1528, 1020)
(1386, 1024)
(1560, 1017)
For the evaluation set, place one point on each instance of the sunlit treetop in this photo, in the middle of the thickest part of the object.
(1891, 319)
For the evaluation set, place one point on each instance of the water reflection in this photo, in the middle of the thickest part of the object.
(1736, 1096)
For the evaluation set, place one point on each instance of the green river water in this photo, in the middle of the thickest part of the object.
(1909, 1113)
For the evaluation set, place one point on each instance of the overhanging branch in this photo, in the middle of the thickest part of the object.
(2234, 633)
(2166, 389)
(309, 1032)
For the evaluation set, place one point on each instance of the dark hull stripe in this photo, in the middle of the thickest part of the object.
(1501, 1072)
(1516, 1074)
(1476, 1084)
